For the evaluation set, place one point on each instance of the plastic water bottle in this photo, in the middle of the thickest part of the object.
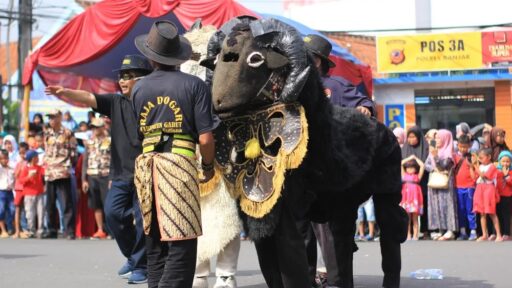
(428, 274)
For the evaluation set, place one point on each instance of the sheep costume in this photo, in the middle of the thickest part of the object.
(219, 214)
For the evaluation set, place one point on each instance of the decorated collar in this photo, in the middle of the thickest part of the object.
(254, 151)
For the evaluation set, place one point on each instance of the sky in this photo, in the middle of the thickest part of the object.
(327, 15)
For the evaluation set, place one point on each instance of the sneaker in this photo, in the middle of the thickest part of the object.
(225, 282)
(49, 235)
(200, 282)
(99, 235)
(472, 236)
(138, 277)
(462, 237)
(126, 271)
(369, 238)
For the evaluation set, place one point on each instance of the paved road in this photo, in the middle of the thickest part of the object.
(84, 263)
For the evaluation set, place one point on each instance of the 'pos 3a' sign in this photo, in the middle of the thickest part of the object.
(394, 116)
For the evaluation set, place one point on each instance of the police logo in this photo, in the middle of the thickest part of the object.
(397, 57)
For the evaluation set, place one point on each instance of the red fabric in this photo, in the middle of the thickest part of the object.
(504, 185)
(85, 222)
(32, 186)
(463, 178)
(99, 28)
(17, 172)
(354, 73)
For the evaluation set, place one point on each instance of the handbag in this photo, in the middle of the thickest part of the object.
(438, 180)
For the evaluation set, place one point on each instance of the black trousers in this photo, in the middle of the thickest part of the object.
(60, 190)
(313, 232)
(503, 211)
(282, 256)
(171, 264)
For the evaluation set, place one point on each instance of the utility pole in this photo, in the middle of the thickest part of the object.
(25, 38)
(7, 63)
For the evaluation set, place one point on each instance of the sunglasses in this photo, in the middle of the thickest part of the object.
(126, 76)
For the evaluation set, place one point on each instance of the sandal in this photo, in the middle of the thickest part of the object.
(482, 238)
(499, 239)
(447, 236)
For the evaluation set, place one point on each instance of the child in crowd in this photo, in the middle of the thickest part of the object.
(33, 188)
(18, 192)
(486, 195)
(504, 186)
(6, 196)
(465, 182)
(367, 209)
(412, 196)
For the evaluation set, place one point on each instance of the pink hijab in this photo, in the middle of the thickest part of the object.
(400, 135)
(446, 151)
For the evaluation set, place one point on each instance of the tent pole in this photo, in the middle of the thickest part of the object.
(26, 105)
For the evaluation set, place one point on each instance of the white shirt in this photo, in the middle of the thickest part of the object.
(6, 178)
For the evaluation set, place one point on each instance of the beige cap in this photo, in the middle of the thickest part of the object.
(54, 112)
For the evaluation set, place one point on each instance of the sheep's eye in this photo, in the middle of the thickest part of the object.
(255, 59)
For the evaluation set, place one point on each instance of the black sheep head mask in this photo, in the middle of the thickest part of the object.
(258, 63)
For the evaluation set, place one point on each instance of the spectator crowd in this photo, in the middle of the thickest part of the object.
(55, 183)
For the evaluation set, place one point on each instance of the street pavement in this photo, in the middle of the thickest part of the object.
(87, 263)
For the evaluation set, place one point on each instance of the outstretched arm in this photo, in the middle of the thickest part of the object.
(81, 96)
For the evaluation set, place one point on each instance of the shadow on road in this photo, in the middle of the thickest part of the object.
(361, 281)
(14, 256)
(248, 272)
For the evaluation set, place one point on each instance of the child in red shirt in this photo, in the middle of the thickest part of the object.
(465, 182)
(504, 187)
(31, 177)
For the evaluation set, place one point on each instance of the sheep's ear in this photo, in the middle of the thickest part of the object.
(276, 60)
(209, 63)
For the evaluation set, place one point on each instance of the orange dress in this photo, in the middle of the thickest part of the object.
(486, 195)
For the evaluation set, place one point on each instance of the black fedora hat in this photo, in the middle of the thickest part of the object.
(319, 46)
(135, 62)
(164, 45)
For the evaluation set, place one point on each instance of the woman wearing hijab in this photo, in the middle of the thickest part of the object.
(442, 202)
(496, 142)
(463, 129)
(400, 135)
(415, 144)
(11, 146)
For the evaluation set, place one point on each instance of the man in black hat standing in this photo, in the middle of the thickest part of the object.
(340, 91)
(121, 203)
(174, 113)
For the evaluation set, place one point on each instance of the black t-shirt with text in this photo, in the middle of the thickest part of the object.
(126, 145)
(174, 103)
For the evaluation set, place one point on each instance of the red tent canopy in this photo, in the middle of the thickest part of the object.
(84, 52)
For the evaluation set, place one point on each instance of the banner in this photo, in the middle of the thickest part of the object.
(429, 52)
(394, 116)
(497, 48)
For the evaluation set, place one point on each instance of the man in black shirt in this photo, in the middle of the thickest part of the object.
(174, 113)
(121, 202)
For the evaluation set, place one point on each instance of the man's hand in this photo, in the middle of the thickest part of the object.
(85, 187)
(54, 90)
(207, 176)
(366, 112)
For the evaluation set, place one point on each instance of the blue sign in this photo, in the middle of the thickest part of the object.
(394, 116)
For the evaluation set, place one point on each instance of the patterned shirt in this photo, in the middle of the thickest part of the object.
(59, 153)
(98, 156)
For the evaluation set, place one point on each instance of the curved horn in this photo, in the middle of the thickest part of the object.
(283, 37)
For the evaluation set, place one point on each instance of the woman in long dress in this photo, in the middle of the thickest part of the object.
(442, 202)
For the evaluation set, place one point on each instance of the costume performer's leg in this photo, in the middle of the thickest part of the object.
(171, 264)
(390, 219)
(325, 239)
(282, 256)
(343, 229)
(227, 260)
(121, 205)
(306, 230)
